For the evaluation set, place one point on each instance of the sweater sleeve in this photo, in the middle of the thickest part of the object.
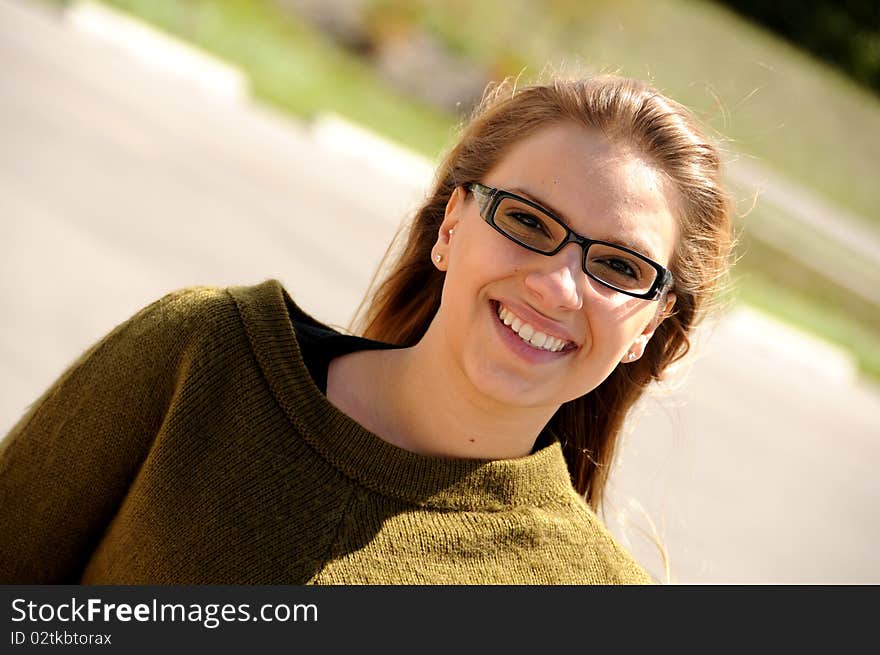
(66, 466)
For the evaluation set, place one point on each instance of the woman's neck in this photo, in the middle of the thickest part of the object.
(417, 399)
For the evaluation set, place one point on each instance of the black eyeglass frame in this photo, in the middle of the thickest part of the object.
(492, 198)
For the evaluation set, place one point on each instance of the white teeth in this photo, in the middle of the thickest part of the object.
(528, 333)
(539, 339)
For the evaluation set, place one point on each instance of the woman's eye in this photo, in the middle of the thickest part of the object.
(528, 220)
(621, 267)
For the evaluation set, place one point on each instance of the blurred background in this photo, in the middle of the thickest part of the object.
(149, 145)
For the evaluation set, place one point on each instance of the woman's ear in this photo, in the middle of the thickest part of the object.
(637, 349)
(667, 308)
(451, 218)
(454, 207)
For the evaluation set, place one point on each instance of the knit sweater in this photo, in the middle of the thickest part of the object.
(191, 446)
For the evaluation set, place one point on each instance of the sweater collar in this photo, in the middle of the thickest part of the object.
(537, 479)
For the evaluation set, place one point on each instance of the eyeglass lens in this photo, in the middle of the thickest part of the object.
(535, 229)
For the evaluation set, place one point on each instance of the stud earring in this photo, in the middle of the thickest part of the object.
(451, 230)
(437, 258)
(631, 356)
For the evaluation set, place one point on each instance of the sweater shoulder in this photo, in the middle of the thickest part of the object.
(179, 321)
(148, 345)
(189, 309)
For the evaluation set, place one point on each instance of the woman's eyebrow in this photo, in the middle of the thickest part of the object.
(627, 242)
(538, 201)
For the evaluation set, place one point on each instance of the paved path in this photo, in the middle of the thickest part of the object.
(118, 184)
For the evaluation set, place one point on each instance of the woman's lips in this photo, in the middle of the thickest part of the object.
(524, 350)
(529, 332)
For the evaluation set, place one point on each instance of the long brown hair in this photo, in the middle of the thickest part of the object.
(627, 111)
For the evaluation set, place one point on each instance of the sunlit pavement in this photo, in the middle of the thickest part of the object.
(119, 183)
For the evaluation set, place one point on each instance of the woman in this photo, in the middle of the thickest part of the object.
(572, 240)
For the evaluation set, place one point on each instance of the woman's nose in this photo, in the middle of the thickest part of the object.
(558, 280)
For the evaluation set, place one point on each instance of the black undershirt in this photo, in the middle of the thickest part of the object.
(319, 345)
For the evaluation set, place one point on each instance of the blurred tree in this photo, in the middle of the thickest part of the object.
(844, 33)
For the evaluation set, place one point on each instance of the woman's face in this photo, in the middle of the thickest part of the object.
(601, 191)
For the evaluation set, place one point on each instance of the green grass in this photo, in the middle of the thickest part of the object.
(295, 68)
(803, 311)
(772, 279)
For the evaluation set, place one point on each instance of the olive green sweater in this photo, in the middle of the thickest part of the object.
(191, 445)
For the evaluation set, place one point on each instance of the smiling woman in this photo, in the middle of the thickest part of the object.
(573, 238)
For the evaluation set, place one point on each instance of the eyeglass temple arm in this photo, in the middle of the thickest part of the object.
(666, 284)
(481, 192)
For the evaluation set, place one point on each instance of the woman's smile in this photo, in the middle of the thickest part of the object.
(523, 339)
(533, 329)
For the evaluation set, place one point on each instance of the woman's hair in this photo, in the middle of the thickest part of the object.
(628, 112)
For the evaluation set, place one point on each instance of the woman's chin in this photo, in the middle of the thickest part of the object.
(510, 387)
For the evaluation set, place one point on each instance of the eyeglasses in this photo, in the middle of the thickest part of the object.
(536, 229)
